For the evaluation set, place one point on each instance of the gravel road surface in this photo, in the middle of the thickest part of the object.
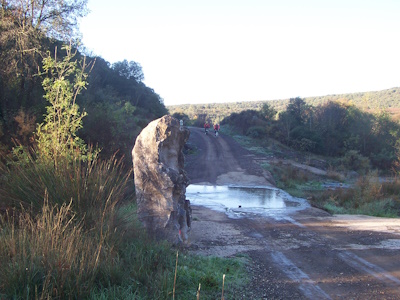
(304, 255)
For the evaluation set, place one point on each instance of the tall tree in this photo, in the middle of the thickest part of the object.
(54, 18)
(268, 112)
(23, 25)
(129, 70)
(332, 123)
(297, 110)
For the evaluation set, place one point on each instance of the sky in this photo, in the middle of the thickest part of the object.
(213, 51)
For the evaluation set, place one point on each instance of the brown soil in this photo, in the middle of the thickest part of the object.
(306, 255)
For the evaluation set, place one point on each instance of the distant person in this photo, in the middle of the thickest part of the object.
(216, 129)
(206, 126)
(181, 125)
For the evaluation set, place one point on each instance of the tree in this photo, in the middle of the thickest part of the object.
(297, 111)
(24, 27)
(268, 112)
(361, 127)
(287, 124)
(129, 70)
(56, 19)
(331, 122)
(57, 136)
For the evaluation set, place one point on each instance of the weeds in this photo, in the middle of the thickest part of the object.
(51, 255)
(73, 233)
(92, 187)
(289, 177)
(367, 196)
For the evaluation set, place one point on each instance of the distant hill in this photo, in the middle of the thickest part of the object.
(386, 99)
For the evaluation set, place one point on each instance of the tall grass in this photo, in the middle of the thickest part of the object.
(94, 187)
(72, 233)
(60, 227)
(51, 255)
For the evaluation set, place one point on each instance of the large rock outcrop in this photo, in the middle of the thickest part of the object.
(160, 179)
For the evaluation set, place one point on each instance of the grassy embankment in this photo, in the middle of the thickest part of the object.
(366, 194)
(72, 233)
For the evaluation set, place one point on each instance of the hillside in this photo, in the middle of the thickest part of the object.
(388, 99)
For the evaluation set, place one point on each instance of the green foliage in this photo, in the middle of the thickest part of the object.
(129, 70)
(57, 136)
(244, 120)
(67, 230)
(118, 109)
(208, 272)
(257, 132)
(380, 100)
(118, 105)
(353, 160)
(268, 112)
(330, 125)
(297, 110)
(289, 177)
(184, 117)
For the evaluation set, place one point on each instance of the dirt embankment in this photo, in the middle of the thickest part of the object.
(306, 255)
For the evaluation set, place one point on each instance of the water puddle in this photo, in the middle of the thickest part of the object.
(238, 201)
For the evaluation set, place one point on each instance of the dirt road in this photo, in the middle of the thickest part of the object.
(305, 255)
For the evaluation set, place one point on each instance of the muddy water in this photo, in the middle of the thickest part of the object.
(239, 201)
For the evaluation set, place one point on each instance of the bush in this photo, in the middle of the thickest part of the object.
(353, 160)
(244, 120)
(368, 196)
(256, 132)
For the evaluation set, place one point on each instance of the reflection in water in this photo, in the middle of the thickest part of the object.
(237, 200)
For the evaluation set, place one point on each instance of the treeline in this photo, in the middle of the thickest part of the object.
(334, 129)
(118, 104)
(388, 100)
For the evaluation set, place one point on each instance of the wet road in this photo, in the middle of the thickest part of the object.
(297, 252)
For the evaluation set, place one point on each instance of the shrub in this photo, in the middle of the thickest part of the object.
(256, 132)
(368, 196)
(57, 136)
(353, 160)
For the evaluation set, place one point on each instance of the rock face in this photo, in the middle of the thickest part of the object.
(161, 181)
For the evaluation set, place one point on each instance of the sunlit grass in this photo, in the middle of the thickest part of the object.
(74, 233)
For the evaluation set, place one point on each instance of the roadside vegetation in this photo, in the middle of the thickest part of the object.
(339, 189)
(68, 217)
(357, 148)
(68, 226)
(116, 103)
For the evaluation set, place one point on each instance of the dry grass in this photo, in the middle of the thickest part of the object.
(367, 196)
(73, 234)
(50, 254)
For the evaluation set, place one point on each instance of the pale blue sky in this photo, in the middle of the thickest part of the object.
(209, 51)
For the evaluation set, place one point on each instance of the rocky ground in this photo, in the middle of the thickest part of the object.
(304, 255)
